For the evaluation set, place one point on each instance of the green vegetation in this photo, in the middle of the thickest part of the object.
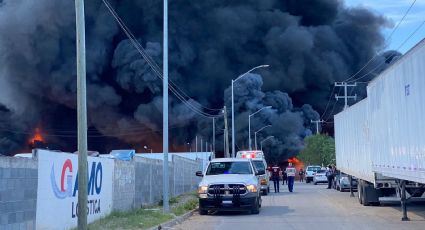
(319, 150)
(147, 217)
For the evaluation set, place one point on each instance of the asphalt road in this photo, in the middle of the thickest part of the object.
(312, 207)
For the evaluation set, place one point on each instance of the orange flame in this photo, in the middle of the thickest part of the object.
(38, 137)
(296, 163)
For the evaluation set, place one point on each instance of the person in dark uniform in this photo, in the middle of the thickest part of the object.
(330, 176)
(275, 178)
(301, 174)
(284, 178)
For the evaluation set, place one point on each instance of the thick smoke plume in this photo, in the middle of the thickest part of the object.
(308, 43)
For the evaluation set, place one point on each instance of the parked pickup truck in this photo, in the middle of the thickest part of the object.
(229, 184)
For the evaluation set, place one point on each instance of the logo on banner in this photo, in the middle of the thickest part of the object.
(69, 187)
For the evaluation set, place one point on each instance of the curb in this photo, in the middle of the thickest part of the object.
(175, 221)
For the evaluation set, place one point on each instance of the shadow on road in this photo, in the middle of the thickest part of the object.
(266, 211)
(415, 208)
(269, 211)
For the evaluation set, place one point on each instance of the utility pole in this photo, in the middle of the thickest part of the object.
(226, 134)
(201, 144)
(165, 178)
(317, 124)
(233, 121)
(196, 144)
(213, 145)
(346, 97)
(224, 142)
(81, 113)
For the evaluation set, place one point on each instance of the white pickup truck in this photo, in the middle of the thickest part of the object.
(310, 171)
(229, 184)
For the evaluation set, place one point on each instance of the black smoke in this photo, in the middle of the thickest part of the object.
(308, 43)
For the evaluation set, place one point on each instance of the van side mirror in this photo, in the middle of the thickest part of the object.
(199, 173)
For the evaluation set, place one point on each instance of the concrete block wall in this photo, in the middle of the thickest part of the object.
(148, 181)
(183, 175)
(124, 186)
(18, 193)
(136, 184)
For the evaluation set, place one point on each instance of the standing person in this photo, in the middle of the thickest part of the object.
(290, 172)
(301, 174)
(330, 176)
(275, 178)
(284, 178)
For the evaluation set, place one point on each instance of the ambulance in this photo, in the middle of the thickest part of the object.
(260, 164)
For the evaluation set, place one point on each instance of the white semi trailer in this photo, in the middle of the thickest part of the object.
(380, 140)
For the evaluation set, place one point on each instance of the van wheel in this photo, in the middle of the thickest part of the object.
(203, 212)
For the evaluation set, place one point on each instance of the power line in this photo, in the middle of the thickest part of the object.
(391, 34)
(117, 134)
(346, 96)
(155, 66)
(148, 59)
(333, 108)
(391, 56)
(329, 100)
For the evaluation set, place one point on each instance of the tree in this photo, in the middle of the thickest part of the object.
(319, 150)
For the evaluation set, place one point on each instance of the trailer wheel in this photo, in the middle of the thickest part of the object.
(360, 192)
(365, 201)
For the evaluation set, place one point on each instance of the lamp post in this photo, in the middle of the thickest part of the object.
(249, 124)
(213, 145)
(255, 135)
(233, 105)
(149, 149)
(189, 147)
(165, 176)
(267, 138)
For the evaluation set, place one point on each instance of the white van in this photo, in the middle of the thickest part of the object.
(260, 164)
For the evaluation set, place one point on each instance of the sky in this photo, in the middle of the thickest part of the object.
(394, 11)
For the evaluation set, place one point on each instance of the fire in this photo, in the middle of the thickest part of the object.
(38, 137)
(296, 163)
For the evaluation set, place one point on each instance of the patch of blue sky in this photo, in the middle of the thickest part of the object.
(394, 11)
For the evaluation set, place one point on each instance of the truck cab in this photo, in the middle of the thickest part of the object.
(229, 184)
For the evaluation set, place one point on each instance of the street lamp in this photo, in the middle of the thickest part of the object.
(233, 105)
(249, 124)
(255, 134)
(149, 149)
(189, 147)
(267, 138)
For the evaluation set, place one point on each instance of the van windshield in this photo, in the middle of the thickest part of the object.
(259, 165)
(217, 168)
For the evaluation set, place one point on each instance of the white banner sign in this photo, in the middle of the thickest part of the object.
(57, 194)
